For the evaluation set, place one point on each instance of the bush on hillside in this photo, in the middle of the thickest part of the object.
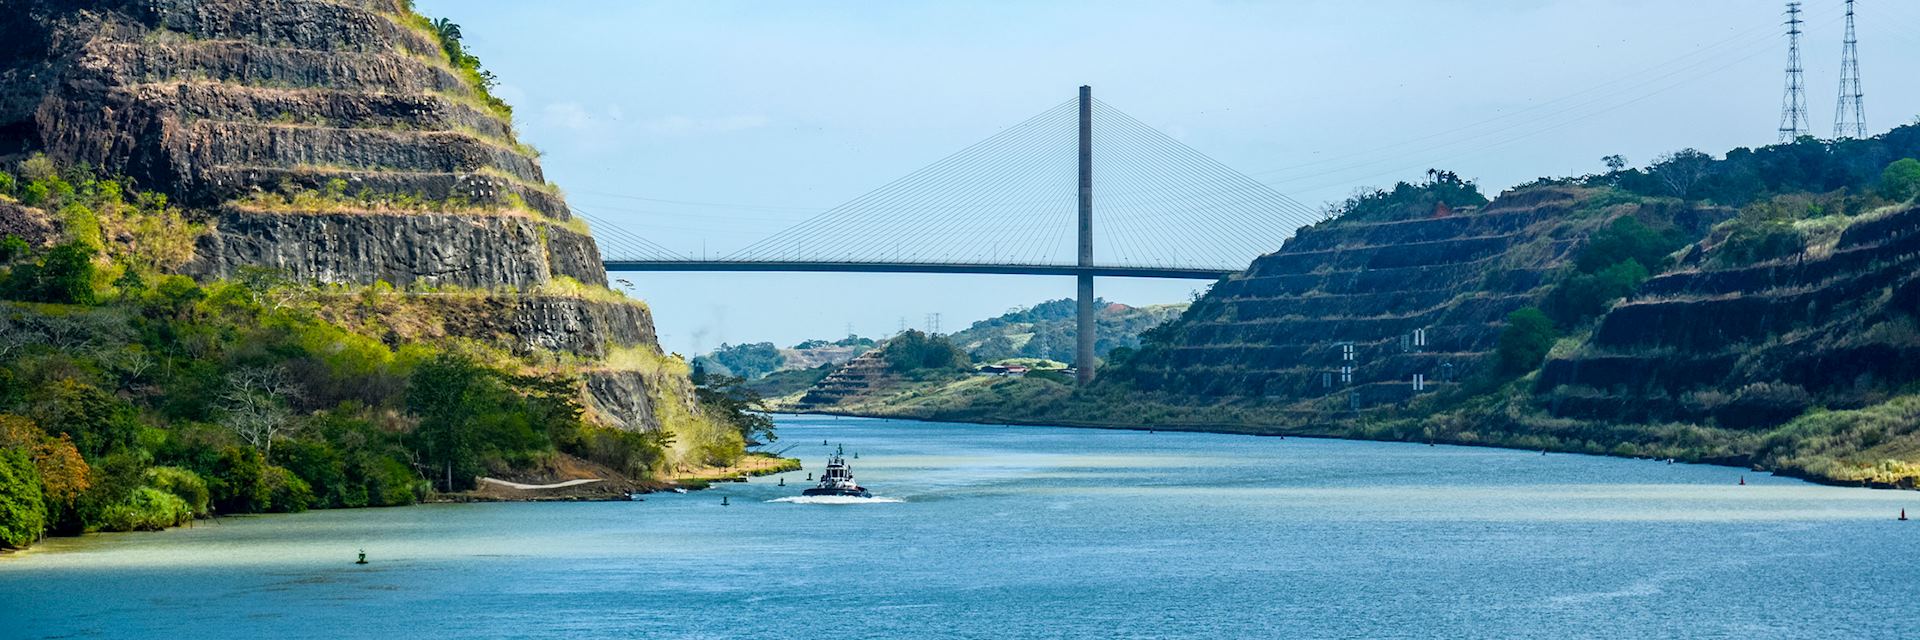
(1410, 200)
(1524, 342)
(1900, 181)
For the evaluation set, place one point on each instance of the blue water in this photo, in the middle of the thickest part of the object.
(1026, 532)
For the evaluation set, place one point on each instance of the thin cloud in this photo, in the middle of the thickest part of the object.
(687, 125)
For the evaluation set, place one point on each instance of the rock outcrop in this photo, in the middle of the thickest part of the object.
(408, 173)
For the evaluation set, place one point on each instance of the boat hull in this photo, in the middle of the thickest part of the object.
(851, 493)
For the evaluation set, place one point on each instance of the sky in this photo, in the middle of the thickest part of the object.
(704, 126)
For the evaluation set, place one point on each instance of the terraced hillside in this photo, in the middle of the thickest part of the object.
(1348, 313)
(1832, 327)
(340, 142)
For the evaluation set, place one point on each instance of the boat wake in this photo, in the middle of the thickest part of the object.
(835, 500)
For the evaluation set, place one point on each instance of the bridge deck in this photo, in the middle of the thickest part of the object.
(914, 267)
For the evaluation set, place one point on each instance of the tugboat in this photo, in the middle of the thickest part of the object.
(837, 480)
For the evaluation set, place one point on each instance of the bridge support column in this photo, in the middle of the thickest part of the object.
(1084, 331)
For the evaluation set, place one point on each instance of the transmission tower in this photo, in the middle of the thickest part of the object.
(1850, 114)
(1793, 106)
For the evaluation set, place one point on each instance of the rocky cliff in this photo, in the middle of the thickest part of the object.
(338, 143)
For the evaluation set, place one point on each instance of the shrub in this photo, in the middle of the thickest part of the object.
(1900, 181)
(63, 276)
(1764, 404)
(146, 509)
(13, 248)
(1525, 341)
(1626, 238)
(1752, 241)
(187, 485)
(286, 493)
(23, 510)
(238, 484)
(389, 483)
(1585, 296)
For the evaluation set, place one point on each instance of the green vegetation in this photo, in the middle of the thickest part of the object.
(132, 398)
(788, 382)
(1900, 181)
(448, 34)
(849, 341)
(915, 351)
(739, 406)
(1524, 341)
(1047, 330)
(1410, 200)
(749, 361)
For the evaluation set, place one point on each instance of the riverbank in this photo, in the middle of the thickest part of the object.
(1413, 430)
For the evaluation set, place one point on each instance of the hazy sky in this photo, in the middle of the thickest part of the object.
(704, 126)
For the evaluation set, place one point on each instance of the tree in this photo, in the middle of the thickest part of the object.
(1525, 341)
(444, 394)
(98, 422)
(64, 474)
(63, 276)
(1681, 170)
(1615, 163)
(725, 398)
(254, 406)
(1900, 181)
(23, 509)
(913, 350)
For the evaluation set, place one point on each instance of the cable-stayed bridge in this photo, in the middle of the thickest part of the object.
(1082, 189)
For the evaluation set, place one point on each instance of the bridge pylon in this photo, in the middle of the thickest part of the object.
(1084, 333)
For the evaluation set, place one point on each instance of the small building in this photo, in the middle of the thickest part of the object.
(1003, 369)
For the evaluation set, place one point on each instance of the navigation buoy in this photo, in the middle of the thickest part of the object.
(809, 476)
(363, 552)
(723, 501)
(1903, 515)
(823, 443)
(783, 482)
(1743, 481)
(856, 455)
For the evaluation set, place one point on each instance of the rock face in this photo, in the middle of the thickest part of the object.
(216, 102)
(1756, 345)
(361, 248)
(1346, 314)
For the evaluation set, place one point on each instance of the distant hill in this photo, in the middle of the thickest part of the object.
(759, 359)
(1048, 330)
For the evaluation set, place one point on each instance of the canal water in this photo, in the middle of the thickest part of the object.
(1033, 532)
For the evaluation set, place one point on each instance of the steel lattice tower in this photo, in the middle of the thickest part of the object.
(1850, 113)
(1793, 106)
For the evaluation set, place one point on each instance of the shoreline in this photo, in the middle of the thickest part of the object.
(693, 480)
(1246, 430)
